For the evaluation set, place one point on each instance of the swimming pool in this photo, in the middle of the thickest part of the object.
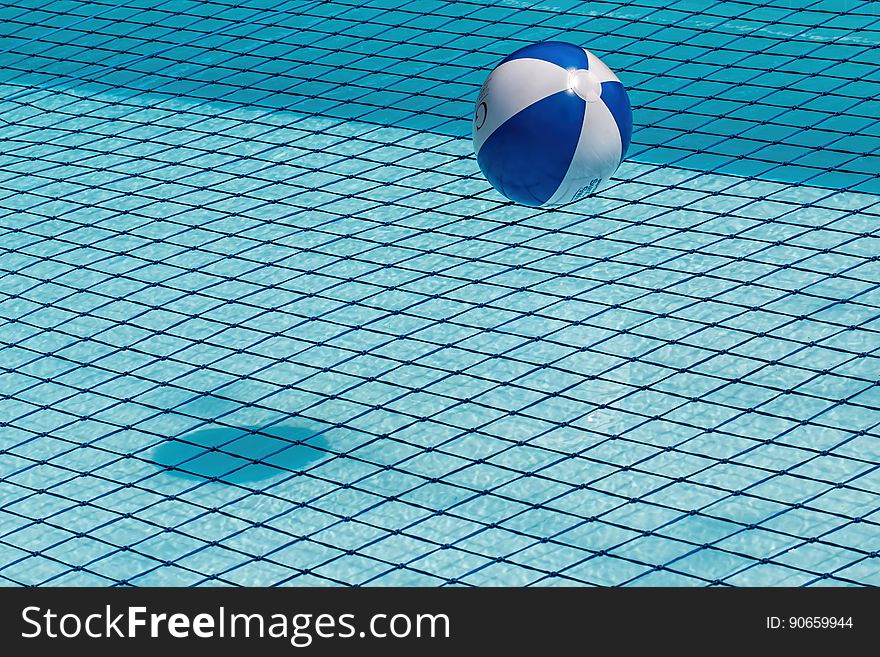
(263, 322)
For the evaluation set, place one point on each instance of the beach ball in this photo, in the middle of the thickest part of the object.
(551, 124)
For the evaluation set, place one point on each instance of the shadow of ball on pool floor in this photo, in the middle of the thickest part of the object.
(241, 455)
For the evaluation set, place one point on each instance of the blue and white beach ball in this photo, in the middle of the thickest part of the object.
(552, 123)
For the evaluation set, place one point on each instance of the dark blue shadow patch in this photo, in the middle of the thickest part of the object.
(241, 455)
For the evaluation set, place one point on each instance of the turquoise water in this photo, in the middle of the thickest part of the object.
(263, 322)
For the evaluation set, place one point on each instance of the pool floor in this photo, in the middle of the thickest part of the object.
(263, 321)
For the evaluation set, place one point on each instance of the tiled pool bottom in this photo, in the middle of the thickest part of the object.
(677, 388)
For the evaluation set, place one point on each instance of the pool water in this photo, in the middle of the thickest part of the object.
(263, 322)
